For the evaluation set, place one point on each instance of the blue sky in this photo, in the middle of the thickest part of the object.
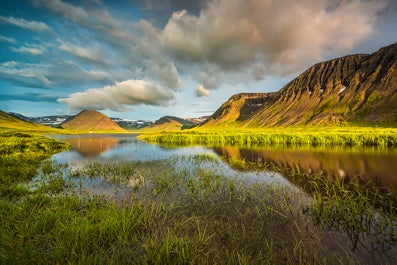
(145, 59)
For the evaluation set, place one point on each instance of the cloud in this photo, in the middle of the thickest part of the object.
(201, 91)
(226, 42)
(35, 97)
(25, 24)
(95, 18)
(120, 96)
(166, 73)
(93, 55)
(269, 37)
(7, 39)
(29, 50)
(59, 73)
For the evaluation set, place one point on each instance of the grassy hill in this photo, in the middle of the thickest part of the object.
(91, 121)
(9, 122)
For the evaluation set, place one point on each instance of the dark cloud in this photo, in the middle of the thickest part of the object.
(269, 37)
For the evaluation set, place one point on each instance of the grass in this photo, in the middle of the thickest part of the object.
(309, 136)
(192, 215)
(21, 155)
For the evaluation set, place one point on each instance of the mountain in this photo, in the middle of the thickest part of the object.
(168, 123)
(11, 122)
(56, 121)
(20, 116)
(358, 89)
(91, 120)
(53, 121)
(239, 107)
(132, 124)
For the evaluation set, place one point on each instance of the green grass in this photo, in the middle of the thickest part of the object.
(310, 136)
(191, 215)
(21, 155)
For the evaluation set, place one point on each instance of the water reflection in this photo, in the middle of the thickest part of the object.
(92, 146)
(377, 167)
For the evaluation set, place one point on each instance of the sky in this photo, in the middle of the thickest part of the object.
(145, 59)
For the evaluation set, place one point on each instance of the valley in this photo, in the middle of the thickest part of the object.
(303, 175)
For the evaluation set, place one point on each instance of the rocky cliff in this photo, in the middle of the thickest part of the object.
(240, 107)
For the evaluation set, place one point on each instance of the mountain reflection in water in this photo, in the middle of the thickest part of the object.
(91, 146)
(362, 165)
(377, 167)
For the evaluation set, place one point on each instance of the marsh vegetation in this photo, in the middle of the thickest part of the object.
(288, 136)
(185, 209)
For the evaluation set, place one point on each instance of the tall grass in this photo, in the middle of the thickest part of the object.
(349, 136)
(21, 155)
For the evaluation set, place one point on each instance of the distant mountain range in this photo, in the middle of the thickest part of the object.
(57, 120)
(11, 122)
(355, 89)
(89, 119)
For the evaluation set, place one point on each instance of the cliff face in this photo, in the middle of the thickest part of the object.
(355, 88)
(239, 108)
(91, 120)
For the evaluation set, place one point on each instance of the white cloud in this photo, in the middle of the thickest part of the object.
(29, 50)
(25, 24)
(89, 54)
(201, 91)
(120, 96)
(7, 39)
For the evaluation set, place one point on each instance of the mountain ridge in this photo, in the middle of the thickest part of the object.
(357, 88)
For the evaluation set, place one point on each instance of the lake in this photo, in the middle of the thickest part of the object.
(208, 179)
(378, 166)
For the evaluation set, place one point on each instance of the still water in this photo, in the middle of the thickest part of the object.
(363, 164)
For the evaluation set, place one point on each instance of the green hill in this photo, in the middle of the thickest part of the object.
(10, 122)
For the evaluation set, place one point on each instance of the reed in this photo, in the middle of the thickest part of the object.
(345, 136)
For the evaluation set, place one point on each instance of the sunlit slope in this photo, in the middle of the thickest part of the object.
(239, 107)
(10, 122)
(169, 123)
(355, 89)
(91, 120)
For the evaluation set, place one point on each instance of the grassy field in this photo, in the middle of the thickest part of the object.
(310, 136)
(184, 216)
